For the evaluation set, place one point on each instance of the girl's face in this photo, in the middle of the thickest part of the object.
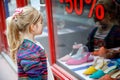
(38, 27)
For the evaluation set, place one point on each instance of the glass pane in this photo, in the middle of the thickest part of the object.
(69, 29)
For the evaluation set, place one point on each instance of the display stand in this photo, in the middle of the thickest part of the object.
(77, 70)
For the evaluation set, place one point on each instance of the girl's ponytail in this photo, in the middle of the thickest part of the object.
(13, 37)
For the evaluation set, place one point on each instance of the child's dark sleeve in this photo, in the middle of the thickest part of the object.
(90, 42)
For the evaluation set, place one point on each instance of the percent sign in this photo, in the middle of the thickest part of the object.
(99, 9)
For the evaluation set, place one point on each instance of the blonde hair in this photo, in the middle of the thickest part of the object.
(20, 23)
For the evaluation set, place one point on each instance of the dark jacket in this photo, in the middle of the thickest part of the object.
(112, 40)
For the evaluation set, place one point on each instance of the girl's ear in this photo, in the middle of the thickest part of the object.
(32, 28)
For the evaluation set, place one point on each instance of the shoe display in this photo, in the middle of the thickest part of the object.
(98, 64)
(82, 60)
(101, 72)
(76, 53)
(108, 76)
(101, 69)
(82, 56)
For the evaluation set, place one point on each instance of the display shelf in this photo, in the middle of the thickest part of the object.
(77, 70)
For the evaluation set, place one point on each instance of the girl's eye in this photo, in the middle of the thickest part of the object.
(41, 21)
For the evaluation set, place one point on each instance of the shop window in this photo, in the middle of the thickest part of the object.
(69, 29)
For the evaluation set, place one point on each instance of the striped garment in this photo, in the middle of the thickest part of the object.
(31, 61)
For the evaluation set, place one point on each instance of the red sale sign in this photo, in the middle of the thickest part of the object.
(98, 9)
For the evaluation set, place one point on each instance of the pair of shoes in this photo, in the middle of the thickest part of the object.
(105, 70)
(74, 51)
(83, 59)
(113, 75)
(98, 64)
(80, 57)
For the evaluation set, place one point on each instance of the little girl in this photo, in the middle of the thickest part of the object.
(29, 55)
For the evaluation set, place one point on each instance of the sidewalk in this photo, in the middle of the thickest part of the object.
(6, 72)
